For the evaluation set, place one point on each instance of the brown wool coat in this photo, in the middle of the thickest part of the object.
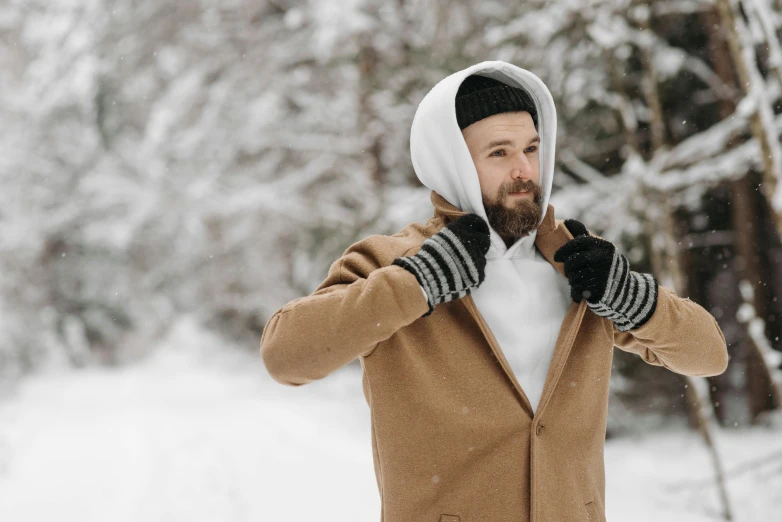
(453, 436)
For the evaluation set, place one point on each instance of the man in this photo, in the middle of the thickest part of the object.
(486, 350)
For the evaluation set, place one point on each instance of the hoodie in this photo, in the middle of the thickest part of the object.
(523, 298)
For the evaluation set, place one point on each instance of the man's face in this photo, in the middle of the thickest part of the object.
(504, 148)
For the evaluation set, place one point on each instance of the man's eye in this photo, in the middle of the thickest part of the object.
(496, 151)
(534, 148)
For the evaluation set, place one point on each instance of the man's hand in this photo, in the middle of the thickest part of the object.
(451, 262)
(598, 273)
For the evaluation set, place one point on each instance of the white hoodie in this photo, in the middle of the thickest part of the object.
(523, 298)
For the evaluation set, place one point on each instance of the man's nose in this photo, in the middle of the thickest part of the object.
(522, 168)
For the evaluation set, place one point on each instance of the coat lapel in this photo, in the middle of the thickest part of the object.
(498, 353)
(552, 234)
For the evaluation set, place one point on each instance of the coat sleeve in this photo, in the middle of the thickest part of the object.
(359, 305)
(681, 336)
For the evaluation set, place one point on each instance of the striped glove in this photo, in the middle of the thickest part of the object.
(452, 262)
(598, 273)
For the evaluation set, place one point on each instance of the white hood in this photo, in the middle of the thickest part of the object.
(442, 160)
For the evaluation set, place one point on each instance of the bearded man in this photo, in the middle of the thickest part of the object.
(486, 334)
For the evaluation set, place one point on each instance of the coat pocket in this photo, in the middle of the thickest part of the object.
(449, 518)
(593, 513)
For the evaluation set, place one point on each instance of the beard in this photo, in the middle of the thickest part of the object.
(521, 217)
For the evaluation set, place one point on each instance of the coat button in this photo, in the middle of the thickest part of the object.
(539, 429)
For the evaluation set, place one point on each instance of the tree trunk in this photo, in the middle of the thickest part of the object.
(742, 51)
(751, 250)
(665, 255)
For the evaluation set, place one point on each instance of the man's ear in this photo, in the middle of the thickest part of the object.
(576, 228)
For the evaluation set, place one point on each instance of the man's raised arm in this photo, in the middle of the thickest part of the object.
(681, 336)
(647, 319)
(369, 295)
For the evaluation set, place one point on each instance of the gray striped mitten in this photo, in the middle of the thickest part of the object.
(598, 273)
(451, 262)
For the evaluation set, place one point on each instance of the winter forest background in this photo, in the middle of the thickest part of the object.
(174, 171)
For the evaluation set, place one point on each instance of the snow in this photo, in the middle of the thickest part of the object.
(667, 476)
(180, 438)
(198, 432)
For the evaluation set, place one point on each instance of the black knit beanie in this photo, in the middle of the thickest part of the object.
(479, 97)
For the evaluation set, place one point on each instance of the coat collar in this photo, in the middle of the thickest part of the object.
(551, 235)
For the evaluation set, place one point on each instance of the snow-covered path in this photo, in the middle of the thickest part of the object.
(196, 437)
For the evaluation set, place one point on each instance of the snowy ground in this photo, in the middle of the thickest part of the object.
(195, 435)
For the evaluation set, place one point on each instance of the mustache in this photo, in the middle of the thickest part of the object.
(519, 186)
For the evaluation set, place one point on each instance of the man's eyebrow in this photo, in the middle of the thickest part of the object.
(512, 143)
